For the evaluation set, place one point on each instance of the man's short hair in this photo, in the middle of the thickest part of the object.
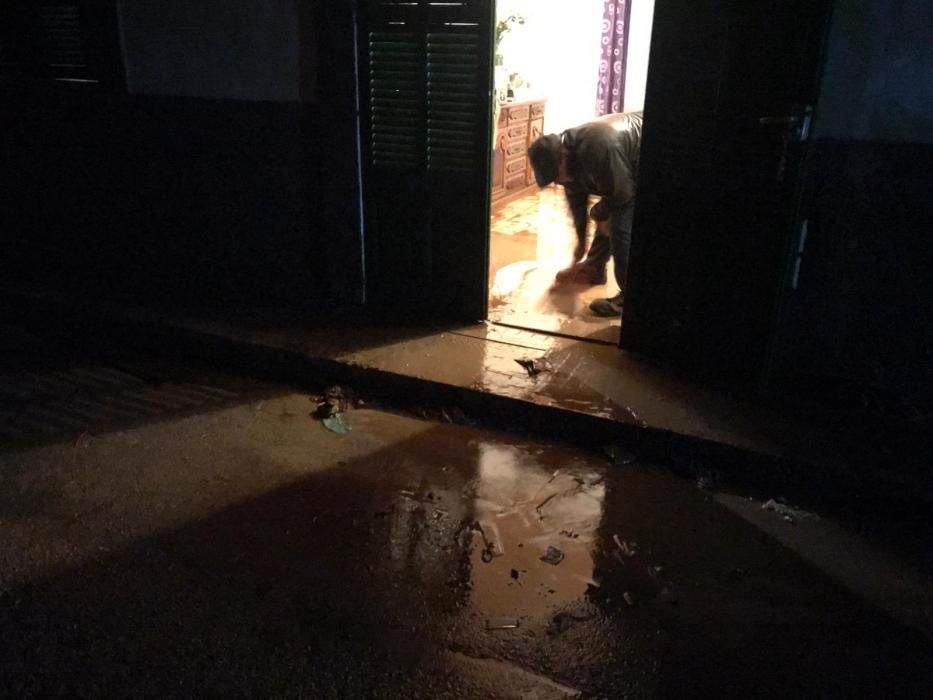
(544, 154)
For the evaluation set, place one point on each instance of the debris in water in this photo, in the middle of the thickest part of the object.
(489, 551)
(489, 547)
(789, 513)
(507, 623)
(330, 405)
(533, 367)
(552, 556)
(336, 424)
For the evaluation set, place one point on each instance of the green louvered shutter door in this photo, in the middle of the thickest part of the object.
(425, 85)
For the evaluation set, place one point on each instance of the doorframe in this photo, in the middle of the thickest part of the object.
(797, 233)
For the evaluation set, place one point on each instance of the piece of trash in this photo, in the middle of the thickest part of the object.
(552, 556)
(514, 574)
(324, 410)
(628, 599)
(489, 551)
(533, 367)
(504, 623)
(789, 513)
(336, 424)
(335, 400)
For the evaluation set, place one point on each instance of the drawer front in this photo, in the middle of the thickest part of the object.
(519, 114)
(515, 167)
(518, 131)
(516, 183)
(516, 149)
(537, 110)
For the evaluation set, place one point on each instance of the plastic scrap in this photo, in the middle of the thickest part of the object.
(330, 410)
(533, 367)
(502, 624)
(552, 556)
(336, 424)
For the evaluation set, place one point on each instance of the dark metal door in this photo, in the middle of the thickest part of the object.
(731, 86)
(425, 86)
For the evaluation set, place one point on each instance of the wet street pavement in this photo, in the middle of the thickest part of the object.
(237, 548)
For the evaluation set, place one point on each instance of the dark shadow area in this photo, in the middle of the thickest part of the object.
(65, 386)
(335, 586)
(353, 582)
(727, 612)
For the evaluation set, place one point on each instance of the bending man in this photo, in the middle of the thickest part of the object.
(598, 158)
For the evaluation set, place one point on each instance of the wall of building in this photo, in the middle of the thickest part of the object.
(862, 321)
(557, 51)
(245, 50)
(639, 46)
(214, 174)
(876, 85)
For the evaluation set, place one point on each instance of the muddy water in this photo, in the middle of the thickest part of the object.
(409, 559)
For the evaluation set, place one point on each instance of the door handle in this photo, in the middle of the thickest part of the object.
(796, 124)
(785, 120)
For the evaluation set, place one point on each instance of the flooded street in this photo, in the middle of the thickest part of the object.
(246, 550)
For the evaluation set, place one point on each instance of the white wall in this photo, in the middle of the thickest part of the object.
(558, 51)
(636, 72)
(246, 50)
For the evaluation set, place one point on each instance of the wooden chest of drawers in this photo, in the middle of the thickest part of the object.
(519, 124)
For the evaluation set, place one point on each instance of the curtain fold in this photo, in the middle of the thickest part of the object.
(610, 91)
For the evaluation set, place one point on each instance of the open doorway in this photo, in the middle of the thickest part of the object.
(558, 64)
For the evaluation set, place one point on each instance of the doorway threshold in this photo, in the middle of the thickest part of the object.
(508, 377)
(555, 334)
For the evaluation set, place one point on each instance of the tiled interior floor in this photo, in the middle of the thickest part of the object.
(531, 239)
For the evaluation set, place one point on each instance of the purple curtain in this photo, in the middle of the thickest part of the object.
(610, 93)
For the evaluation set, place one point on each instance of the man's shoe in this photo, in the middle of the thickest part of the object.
(611, 307)
(581, 273)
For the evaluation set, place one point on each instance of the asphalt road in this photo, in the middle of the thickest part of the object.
(174, 531)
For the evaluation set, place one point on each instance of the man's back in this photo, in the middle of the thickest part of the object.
(605, 155)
